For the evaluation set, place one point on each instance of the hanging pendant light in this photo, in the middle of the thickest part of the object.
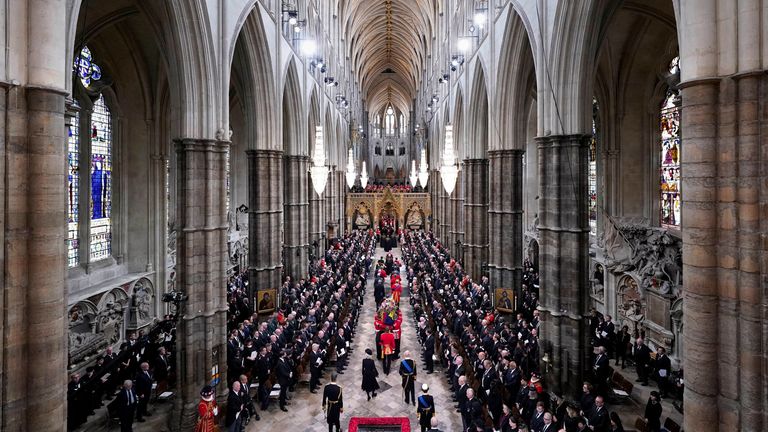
(449, 172)
(364, 176)
(414, 175)
(318, 171)
(351, 174)
(423, 169)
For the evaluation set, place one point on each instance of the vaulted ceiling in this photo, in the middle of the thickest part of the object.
(387, 43)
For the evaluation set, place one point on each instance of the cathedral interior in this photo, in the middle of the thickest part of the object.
(570, 167)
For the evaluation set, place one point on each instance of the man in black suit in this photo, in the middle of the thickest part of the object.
(333, 404)
(315, 364)
(143, 391)
(126, 401)
(461, 398)
(598, 418)
(433, 425)
(663, 369)
(601, 368)
(162, 369)
(425, 408)
(474, 409)
(235, 408)
(245, 396)
(429, 351)
(642, 357)
(284, 375)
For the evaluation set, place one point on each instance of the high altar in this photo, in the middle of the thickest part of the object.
(409, 210)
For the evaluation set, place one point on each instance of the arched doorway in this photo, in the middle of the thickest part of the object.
(388, 226)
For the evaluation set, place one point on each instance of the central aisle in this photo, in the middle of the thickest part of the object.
(306, 412)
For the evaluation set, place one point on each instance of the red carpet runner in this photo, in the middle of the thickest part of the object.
(360, 422)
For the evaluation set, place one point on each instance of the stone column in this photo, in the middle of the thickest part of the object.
(434, 188)
(34, 341)
(476, 216)
(201, 264)
(564, 263)
(265, 217)
(723, 241)
(329, 200)
(316, 218)
(444, 204)
(296, 215)
(457, 218)
(505, 219)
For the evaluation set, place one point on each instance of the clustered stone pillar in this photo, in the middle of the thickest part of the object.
(342, 203)
(476, 216)
(445, 215)
(564, 263)
(34, 340)
(316, 218)
(457, 218)
(330, 198)
(265, 218)
(296, 215)
(505, 219)
(724, 236)
(201, 254)
(435, 187)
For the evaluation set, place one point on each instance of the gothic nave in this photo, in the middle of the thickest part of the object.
(564, 202)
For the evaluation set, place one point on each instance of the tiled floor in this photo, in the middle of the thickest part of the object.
(305, 412)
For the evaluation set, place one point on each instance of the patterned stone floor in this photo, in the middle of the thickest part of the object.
(305, 412)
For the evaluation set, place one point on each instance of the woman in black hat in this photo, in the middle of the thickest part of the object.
(653, 412)
(370, 384)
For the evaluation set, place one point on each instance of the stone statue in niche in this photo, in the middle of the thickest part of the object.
(142, 301)
(598, 282)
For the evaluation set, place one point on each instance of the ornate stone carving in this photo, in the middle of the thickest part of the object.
(651, 255)
(142, 302)
(83, 338)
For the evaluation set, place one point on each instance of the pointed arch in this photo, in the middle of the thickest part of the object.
(458, 125)
(292, 107)
(477, 123)
(516, 80)
(252, 79)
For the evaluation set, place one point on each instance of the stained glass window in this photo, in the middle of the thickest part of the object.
(101, 181)
(85, 68)
(592, 176)
(73, 191)
(669, 126)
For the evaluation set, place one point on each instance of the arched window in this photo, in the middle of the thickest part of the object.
(669, 126)
(390, 120)
(592, 176)
(101, 181)
(73, 190)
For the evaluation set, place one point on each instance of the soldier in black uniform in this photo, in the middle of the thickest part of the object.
(425, 409)
(333, 404)
(408, 373)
